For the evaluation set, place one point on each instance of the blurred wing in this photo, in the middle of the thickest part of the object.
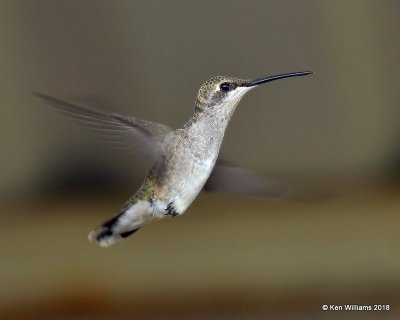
(239, 180)
(146, 136)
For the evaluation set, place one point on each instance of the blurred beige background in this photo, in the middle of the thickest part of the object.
(336, 132)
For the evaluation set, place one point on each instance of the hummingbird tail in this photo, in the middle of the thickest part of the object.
(111, 231)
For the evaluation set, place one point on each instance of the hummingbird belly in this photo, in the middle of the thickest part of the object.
(184, 181)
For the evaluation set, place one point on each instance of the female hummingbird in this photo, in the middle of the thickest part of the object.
(183, 159)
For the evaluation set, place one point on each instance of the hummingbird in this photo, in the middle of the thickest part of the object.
(182, 159)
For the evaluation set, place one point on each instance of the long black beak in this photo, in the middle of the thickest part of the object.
(276, 77)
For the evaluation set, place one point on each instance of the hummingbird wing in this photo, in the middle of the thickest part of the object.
(228, 178)
(129, 131)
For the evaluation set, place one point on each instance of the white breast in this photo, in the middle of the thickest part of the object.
(191, 185)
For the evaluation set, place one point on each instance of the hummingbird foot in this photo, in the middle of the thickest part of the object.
(170, 210)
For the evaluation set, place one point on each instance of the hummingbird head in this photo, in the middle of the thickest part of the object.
(224, 93)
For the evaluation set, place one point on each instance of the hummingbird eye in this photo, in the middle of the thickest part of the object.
(225, 87)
